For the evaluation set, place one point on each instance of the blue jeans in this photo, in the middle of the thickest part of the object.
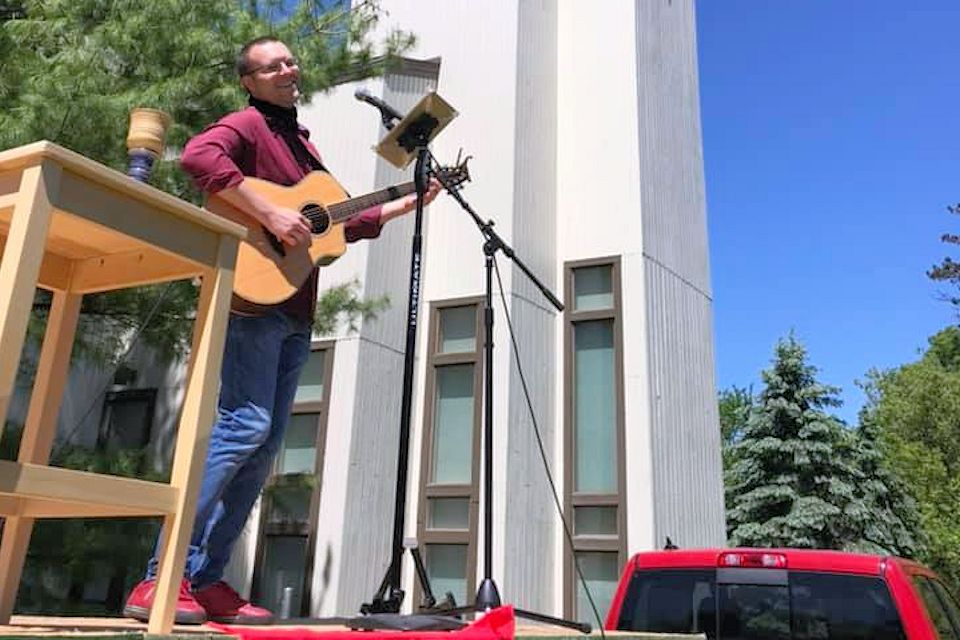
(262, 360)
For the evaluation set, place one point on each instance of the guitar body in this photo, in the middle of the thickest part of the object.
(267, 271)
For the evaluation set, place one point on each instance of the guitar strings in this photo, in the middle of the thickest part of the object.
(315, 212)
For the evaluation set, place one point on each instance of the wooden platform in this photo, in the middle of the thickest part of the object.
(128, 629)
(89, 628)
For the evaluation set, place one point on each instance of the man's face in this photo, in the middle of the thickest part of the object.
(274, 75)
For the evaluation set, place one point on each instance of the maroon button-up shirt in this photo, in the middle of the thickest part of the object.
(251, 143)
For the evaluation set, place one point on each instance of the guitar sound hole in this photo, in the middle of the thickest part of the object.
(318, 217)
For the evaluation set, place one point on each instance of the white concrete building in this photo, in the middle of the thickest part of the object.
(583, 120)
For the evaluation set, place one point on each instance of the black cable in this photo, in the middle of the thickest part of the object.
(543, 455)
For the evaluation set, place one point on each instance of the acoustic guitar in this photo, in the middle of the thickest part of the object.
(268, 271)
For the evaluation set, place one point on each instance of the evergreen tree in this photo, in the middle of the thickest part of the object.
(793, 482)
(71, 70)
(891, 519)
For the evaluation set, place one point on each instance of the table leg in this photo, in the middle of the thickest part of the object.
(20, 268)
(193, 438)
(38, 434)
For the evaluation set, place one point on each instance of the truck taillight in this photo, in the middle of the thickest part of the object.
(752, 559)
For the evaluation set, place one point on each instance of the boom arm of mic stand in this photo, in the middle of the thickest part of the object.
(486, 228)
(498, 243)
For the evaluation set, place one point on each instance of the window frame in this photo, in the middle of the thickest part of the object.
(572, 500)
(471, 491)
(307, 529)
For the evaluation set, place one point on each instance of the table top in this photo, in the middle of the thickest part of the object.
(108, 230)
(12, 161)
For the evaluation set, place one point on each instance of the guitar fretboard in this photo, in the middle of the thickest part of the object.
(348, 208)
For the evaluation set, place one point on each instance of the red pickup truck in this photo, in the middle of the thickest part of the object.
(782, 594)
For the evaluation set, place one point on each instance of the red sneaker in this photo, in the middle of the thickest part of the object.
(223, 604)
(140, 600)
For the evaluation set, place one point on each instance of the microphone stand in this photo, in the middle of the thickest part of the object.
(383, 610)
(389, 596)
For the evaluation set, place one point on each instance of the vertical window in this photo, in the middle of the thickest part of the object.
(288, 512)
(453, 425)
(449, 486)
(595, 422)
(593, 426)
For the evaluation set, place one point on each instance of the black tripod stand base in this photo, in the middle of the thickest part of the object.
(488, 596)
(401, 622)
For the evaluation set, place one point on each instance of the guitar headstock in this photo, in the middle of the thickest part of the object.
(453, 177)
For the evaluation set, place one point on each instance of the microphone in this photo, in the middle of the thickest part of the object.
(387, 113)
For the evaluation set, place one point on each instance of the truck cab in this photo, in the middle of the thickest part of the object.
(782, 594)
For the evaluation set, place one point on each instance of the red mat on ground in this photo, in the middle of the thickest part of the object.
(498, 624)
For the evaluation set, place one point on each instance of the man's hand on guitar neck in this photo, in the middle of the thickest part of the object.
(408, 203)
(286, 224)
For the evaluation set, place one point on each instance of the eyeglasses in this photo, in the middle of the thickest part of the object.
(274, 67)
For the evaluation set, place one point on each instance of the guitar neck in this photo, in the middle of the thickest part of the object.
(349, 208)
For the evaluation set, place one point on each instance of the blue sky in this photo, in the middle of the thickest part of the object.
(830, 133)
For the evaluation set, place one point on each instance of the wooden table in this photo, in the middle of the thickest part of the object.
(73, 226)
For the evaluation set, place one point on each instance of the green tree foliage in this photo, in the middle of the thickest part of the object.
(915, 410)
(71, 70)
(75, 68)
(342, 303)
(891, 520)
(734, 406)
(797, 475)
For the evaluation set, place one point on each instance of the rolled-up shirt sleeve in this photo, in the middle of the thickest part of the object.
(364, 225)
(211, 157)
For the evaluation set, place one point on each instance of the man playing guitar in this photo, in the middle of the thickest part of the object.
(266, 345)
